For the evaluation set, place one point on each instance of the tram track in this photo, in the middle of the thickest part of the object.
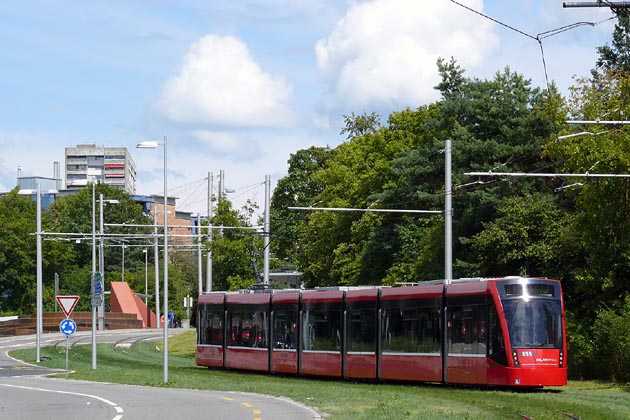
(569, 415)
(130, 342)
(562, 413)
(73, 341)
(512, 413)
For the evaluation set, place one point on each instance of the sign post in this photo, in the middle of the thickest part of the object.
(188, 303)
(67, 326)
(67, 303)
(97, 289)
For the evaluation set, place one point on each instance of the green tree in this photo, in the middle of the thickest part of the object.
(526, 238)
(611, 332)
(340, 248)
(499, 124)
(17, 253)
(234, 251)
(359, 125)
(298, 189)
(73, 214)
(601, 205)
(617, 55)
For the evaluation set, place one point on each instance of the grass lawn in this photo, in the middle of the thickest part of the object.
(339, 400)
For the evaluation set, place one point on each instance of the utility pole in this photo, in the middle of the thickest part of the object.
(210, 214)
(598, 121)
(93, 273)
(101, 264)
(221, 184)
(156, 262)
(448, 251)
(267, 229)
(39, 270)
(199, 261)
(56, 288)
(600, 3)
(448, 215)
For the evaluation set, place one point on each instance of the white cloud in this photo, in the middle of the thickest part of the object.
(225, 143)
(221, 84)
(385, 51)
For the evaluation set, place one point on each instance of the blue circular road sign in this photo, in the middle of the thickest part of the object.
(67, 327)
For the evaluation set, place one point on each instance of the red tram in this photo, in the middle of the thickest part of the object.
(505, 331)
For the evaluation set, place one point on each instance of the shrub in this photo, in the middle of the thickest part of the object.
(611, 337)
(580, 349)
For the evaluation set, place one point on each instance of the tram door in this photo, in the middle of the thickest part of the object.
(467, 337)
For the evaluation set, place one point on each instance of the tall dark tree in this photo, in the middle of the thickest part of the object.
(499, 125)
(298, 189)
(352, 247)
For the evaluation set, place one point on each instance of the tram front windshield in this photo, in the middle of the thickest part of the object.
(534, 323)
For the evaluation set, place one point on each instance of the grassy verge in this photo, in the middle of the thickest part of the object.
(142, 365)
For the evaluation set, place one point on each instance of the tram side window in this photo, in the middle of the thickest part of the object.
(247, 328)
(322, 329)
(411, 330)
(361, 326)
(496, 345)
(468, 329)
(211, 326)
(284, 327)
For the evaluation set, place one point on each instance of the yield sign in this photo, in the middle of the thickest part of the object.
(67, 303)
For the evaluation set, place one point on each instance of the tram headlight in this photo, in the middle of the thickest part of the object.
(561, 361)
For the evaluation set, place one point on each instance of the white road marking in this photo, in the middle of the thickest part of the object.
(96, 397)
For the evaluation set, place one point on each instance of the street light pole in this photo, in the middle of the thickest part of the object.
(210, 214)
(156, 255)
(101, 259)
(267, 228)
(146, 275)
(448, 214)
(123, 262)
(38, 304)
(153, 145)
(93, 273)
(101, 265)
(199, 259)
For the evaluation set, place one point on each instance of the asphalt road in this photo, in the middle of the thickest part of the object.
(26, 394)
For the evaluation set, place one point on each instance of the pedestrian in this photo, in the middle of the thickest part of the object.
(171, 319)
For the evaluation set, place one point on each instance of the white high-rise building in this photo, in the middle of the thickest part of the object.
(89, 163)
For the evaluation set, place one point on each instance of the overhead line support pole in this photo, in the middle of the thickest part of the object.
(611, 4)
(92, 277)
(366, 210)
(596, 122)
(448, 251)
(210, 214)
(39, 303)
(548, 175)
(267, 233)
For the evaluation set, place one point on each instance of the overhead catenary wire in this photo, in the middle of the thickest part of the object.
(548, 175)
(539, 37)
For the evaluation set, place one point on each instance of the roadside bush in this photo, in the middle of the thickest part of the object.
(580, 349)
(611, 338)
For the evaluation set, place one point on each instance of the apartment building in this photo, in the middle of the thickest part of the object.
(87, 163)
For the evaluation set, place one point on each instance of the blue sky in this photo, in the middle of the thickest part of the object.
(240, 85)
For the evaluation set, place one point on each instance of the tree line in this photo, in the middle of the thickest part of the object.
(67, 250)
(573, 229)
